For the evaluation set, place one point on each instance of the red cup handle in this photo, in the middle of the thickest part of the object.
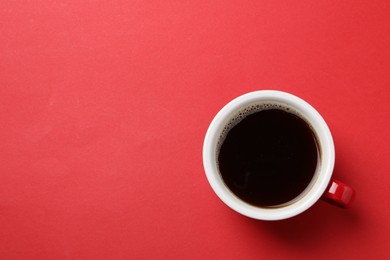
(339, 194)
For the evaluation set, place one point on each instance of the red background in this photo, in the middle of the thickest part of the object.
(104, 106)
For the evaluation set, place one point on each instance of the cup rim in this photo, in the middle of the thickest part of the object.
(324, 138)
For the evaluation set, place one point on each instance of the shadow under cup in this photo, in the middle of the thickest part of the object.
(268, 155)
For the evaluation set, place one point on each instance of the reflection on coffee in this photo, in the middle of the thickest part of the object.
(269, 157)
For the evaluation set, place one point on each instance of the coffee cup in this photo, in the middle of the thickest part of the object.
(270, 155)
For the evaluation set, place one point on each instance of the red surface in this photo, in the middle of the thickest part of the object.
(104, 106)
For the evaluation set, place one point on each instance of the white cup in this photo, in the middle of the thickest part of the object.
(322, 184)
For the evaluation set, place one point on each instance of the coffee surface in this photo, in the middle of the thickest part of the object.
(268, 158)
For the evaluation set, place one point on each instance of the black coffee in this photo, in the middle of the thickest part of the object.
(269, 157)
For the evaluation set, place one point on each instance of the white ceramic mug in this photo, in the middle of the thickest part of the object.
(322, 184)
